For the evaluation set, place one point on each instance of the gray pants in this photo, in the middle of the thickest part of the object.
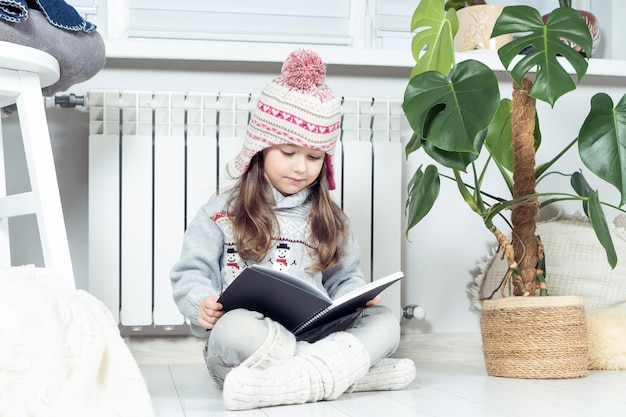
(239, 333)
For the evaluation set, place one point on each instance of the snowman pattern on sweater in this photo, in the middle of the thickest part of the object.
(281, 261)
(233, 264)
(280, 257)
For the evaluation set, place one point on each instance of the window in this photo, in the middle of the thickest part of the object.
(319, 22)
(375, 32)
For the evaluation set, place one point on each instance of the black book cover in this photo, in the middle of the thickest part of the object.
(278, 295)
(294, 303)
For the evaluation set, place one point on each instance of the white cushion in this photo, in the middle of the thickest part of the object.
(576, 263)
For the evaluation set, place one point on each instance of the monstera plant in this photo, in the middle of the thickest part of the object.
(457, 116)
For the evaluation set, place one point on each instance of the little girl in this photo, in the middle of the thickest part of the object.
(280, 213)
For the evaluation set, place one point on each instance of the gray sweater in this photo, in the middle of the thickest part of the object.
(209, 261)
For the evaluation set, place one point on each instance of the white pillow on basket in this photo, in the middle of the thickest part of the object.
(576, 263)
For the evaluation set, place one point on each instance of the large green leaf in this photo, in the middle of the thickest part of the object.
(593, 210)
(414, 144)
(422, 192)
(601, 228)
(582, 188)
(435, 37)
(455, 160)
(449, 114)
(546, 41)
(602, 141)
(499, 136)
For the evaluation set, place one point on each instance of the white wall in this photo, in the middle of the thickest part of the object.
(440, 255)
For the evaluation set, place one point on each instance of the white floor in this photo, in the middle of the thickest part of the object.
(451, 382)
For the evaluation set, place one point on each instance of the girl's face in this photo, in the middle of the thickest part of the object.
(291, 168)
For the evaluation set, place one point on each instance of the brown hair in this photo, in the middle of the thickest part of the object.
(254, 220)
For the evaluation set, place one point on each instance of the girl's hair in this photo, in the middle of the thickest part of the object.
(254, 221)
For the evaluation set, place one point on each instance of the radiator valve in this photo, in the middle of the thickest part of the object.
(71, 100)
(413, 311)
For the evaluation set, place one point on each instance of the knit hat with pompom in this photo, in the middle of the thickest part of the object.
(296, 108)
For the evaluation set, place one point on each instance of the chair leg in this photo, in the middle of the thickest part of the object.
(43, 178)
(5, 247)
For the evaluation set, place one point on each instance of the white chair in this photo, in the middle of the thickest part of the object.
(23, 72)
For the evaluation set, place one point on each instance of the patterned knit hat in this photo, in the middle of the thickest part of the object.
(296, 108)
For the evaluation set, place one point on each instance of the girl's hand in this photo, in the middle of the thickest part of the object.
(374, 301)
(209, 312)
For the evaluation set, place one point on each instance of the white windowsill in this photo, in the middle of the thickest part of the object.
(249, 52)
(164, 49)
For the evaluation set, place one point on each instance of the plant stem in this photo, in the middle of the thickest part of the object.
(565, 3)
(471, 187)
(541, 169)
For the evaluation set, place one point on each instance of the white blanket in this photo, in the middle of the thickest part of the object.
(61, 353)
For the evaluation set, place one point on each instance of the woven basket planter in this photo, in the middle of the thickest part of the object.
(535, 337)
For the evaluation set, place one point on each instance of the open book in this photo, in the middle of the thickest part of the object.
(296, 304)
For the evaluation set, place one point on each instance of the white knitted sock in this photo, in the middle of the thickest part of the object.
(322, 371)
(279, 344)
(387, 375)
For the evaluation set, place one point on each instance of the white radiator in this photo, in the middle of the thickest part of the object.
(156, 157)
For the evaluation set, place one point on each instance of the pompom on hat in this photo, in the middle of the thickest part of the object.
(296, 108)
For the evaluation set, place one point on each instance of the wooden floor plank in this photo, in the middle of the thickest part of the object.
(162, 390)
(199, 396)
(440, 403)
(318, 409)
(373, 404)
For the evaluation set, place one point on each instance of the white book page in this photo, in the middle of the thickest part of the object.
(378, 283)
